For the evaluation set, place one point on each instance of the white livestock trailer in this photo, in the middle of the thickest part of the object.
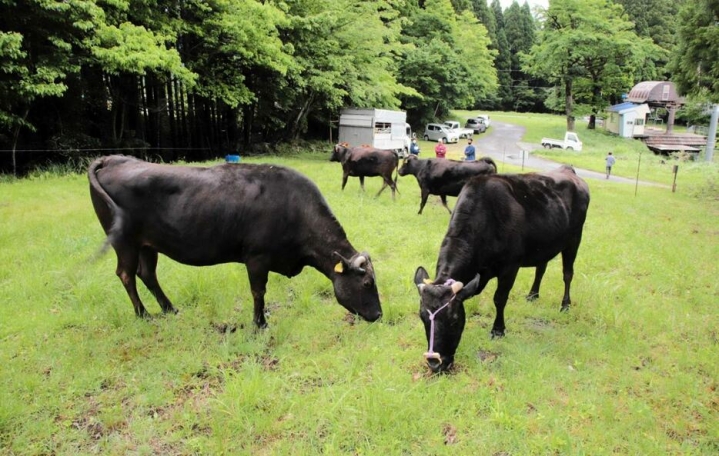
(380, 128)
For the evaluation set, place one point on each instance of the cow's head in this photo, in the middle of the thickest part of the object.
(409, 165)
(338, 152)
(443, 303)
(355, 286)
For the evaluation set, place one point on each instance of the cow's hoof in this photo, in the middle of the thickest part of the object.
(564, 308)
(532, 296)
(496, 334)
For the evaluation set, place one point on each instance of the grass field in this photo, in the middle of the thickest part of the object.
(632, 369)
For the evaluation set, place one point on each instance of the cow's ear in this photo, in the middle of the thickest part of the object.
(421, 278)
(469, 290)
(342, 265)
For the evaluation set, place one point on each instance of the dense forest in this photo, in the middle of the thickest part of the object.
(202, 78)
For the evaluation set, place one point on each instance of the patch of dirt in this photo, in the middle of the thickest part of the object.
(487, 356)
(225, 328)
(450, 434)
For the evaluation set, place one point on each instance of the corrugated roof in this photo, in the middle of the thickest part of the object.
(622, 107)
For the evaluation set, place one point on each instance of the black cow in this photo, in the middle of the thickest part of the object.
(500, 224)
(367, 162)
(268, 217)
(439, 176)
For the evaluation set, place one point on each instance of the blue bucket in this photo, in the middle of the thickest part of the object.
(232, 158)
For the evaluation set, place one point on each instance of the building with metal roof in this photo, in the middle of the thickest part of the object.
(626, 119)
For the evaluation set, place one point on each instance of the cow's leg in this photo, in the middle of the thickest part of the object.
(444, 203)
(127, 262)
(344, 180)
(568, 256)
(393, 185)
(147, 271)
(384, 185)
(258, 272)
(538, 274)
(425, 195)
(361, 178)
(504, 286)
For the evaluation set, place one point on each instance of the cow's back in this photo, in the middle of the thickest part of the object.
(371, 162)
(224, 213)
(523, 218)
(447, 177)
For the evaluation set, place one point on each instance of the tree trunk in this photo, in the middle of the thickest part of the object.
(569, 103)
(16, 135)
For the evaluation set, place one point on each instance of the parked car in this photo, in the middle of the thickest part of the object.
(434, 132)
(477, 125)
(485, 118)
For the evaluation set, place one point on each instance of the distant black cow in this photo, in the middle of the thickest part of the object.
(500, 224)
(439, 176)
(268, 217)
(367, 162)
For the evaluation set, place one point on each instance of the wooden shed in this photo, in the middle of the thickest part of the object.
(626, 119)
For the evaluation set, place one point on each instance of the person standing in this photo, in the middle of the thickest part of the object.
(610, 160)
(440, 150)
(414, 147)
(469, 151)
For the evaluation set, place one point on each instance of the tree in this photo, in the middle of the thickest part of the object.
(520, 32)
(695, 63)
(503, 59)
(655, 19)
(589, 45)
(449, 63)
(38, 45)
(345, 53)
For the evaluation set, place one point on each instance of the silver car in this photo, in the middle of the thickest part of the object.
(476, 124)
(435, 132)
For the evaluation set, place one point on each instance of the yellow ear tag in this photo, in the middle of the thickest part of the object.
(339, 268)
(427, 281)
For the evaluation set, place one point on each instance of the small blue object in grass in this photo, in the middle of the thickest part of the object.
(232, 158)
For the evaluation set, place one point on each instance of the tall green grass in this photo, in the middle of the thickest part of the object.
(631, 369)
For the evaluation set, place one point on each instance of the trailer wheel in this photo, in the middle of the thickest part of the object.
(547, 146)
(426, 138)
(570, 148)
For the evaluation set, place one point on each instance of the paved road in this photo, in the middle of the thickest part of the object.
(503, 142)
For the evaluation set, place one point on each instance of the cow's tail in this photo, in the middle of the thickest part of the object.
(489, 161)
(97, 191)
(396, 172)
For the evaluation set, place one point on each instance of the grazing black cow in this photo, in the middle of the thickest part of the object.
(268, 217)
(500, 224)
(367, 162)
(439, 176)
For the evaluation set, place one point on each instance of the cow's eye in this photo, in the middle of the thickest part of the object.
(368, 283)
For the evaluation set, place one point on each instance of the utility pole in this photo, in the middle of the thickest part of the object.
(711, 136)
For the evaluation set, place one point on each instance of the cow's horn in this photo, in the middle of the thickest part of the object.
(421, 287)
(359, 261)
(456, 286)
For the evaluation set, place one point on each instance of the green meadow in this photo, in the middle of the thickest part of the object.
(632, 368)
